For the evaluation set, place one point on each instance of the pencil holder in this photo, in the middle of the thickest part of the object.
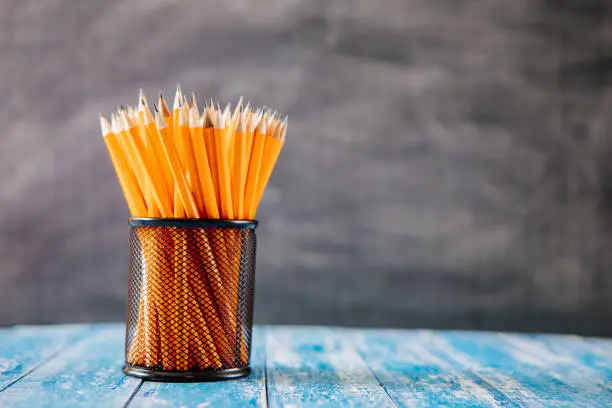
(190, 299)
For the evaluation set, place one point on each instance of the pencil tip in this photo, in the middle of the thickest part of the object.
(106, 127)
(194, 117)
(240, 119)
(261, 128)
(114, 124)
(159, 120)
(181, 118)
(178, 97)
(142, 100)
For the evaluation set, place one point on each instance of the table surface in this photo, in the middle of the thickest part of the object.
(80, 365)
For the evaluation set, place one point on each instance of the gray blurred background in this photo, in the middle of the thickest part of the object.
(447, 165)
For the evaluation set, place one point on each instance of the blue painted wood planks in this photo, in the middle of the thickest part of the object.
(23, 348)
(529, 376)
(243, 392)
(319, 367)
(86, 374)
(80, 366)
(416, 374)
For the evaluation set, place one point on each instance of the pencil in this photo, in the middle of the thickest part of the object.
(254, 168)
(272, 148)
(177, 138)
(127, 179)
(180, 164)
(222, 143)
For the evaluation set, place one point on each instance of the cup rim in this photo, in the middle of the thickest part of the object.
(192, 223)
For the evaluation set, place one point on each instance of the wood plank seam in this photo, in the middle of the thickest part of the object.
(90, 365)
(479, 378)
(265, 361)
(474, 374)
(243, 392)
(567, 349)
(133, 394)
(44, 362)
(406, 390)
(356, 348)
(319, 365)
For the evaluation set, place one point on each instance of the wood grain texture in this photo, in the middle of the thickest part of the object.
(525, 373)
(416, 374)
(87, 374)
(569, 357)
(319, 367)
(325, 366)
(22, 349)
(244, 392)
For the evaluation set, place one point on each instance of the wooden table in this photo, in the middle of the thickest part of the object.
(80, 365)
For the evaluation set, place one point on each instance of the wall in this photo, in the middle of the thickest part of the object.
(447, 163)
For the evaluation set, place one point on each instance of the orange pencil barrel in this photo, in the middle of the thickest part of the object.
(186, 180)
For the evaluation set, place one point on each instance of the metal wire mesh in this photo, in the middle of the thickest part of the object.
(190, 299)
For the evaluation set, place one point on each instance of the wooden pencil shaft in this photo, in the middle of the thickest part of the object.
(178, 164)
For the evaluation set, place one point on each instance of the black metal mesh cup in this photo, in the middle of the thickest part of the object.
(190, 299)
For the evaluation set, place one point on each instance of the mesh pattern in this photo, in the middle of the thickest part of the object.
(190, 299)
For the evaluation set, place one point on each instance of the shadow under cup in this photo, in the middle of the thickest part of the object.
(190, 299)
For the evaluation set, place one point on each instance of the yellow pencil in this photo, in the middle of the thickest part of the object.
(127, 179)
(171, 154)
(272, 148)
(177, 138)
(180, 164)
(222, 143)
(254, 166)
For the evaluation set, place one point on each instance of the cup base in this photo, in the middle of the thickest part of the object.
(185, 376)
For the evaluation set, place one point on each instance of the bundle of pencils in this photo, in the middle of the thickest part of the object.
(185, 163)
